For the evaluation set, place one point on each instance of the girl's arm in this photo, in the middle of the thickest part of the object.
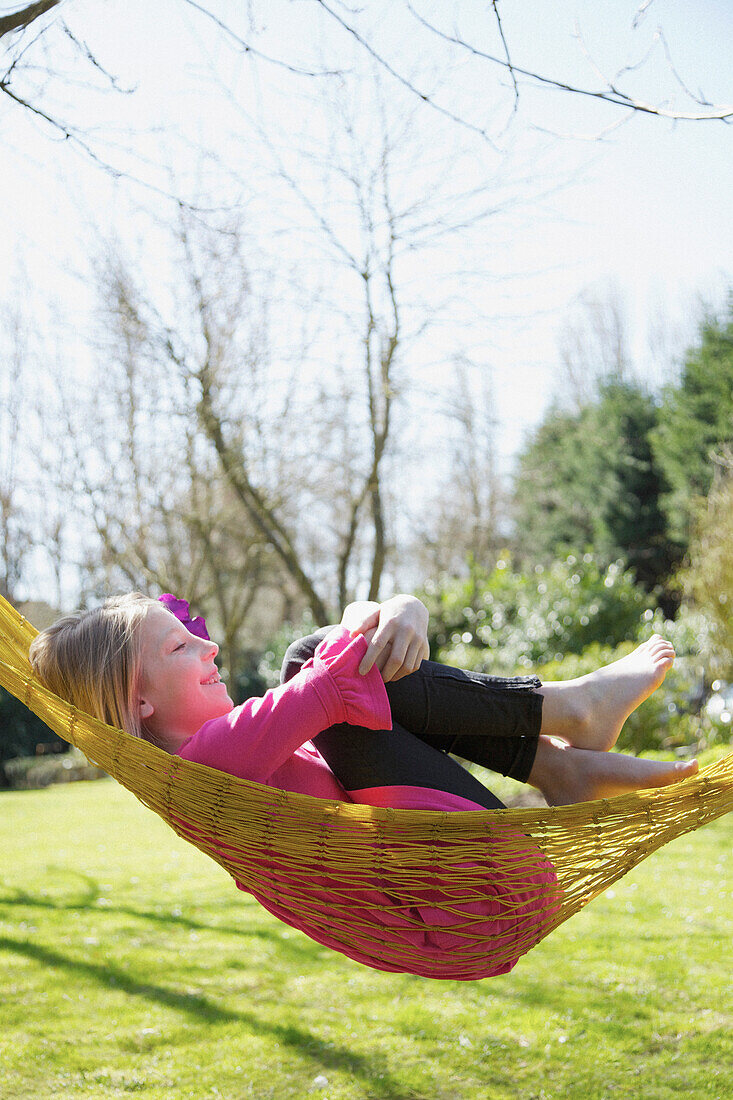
(397, 633)
(256, 739)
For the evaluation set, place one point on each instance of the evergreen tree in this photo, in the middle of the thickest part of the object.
(590, 480)
(695, 422)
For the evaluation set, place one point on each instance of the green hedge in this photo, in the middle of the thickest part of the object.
(21, 732)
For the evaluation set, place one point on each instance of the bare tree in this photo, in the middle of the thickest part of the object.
(206, 428)
(271, 494)
(38, 37)
(129, 461)
(386, 215)
(16, 522)
(307, 476)
(363, 245)
(461, 524)
(593, 345)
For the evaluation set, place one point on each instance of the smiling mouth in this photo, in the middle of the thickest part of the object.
(215, 678)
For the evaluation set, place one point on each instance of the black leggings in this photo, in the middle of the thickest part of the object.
(487, 720)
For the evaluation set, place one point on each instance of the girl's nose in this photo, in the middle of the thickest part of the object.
(211, 650)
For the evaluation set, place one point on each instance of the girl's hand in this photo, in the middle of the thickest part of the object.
(397, 633)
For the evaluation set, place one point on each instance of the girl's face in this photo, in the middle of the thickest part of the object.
(180, 686)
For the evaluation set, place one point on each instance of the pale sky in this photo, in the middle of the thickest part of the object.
(647, 207)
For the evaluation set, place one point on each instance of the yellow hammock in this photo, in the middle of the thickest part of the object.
(283, 847)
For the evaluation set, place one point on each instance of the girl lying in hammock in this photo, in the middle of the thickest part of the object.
(363, 717)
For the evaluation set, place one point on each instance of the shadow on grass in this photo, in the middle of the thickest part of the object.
(86, 902)
(324, 1054)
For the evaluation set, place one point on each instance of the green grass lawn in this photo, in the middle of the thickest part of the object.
(131, 964)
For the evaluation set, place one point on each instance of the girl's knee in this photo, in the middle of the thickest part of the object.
(299, 652)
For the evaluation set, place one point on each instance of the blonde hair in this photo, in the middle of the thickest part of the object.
(92, 659)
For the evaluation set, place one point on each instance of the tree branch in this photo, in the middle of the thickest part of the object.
(247, 47)
(384, 64)
(19, 20)
(495, 6)
(611, 94)
(249, 496)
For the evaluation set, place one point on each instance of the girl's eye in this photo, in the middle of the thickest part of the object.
(178, 647)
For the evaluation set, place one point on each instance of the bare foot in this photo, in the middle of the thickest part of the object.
(589, 712)
(566, 775)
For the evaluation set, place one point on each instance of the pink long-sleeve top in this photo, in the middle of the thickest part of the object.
(269, 740)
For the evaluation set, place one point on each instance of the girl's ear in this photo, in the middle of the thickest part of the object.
(146, 710)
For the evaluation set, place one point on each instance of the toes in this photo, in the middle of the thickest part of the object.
(660, 648)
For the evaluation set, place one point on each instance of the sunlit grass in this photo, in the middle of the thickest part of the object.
(131, 964)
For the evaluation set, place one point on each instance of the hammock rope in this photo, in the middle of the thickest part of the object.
(376, 866)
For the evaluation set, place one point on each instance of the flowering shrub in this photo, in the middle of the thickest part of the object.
(506, 622)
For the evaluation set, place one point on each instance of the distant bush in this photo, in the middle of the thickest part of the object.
(270, 663)
(505, 621)
(27, 772)
(21, 731)
(708, 578)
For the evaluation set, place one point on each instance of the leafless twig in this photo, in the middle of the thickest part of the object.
(424, 97)
(640, 14)
(84, 49)
(247, 47)
(609, 94)
(495, 6)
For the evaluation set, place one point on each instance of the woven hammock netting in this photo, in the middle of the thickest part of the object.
(384, 886)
